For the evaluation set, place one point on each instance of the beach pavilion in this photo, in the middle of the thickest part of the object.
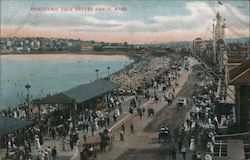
(80, 95)
(9, 125)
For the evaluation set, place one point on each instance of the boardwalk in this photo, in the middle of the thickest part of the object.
(144, 144)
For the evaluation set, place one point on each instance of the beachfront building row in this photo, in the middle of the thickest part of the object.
(39, 45)
(27, 45)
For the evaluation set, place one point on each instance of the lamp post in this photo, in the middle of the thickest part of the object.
(27, 86)
(97, 70)
(108, 70)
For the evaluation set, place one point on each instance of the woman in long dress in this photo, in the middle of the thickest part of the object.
(38, 146)
(192, 145)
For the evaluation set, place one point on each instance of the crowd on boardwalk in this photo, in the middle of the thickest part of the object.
(59, 125)
(57, 122)
(197, 134)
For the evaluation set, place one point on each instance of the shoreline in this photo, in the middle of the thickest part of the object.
(134, 58)
(127, 53)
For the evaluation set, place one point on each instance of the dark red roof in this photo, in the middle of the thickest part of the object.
(240, 75)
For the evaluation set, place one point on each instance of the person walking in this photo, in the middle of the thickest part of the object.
(87, 127)
(114, 117)
(123, 128)
(121, 135)
(54, 153)
(84, 138)
(53, 133)
(132, 130)
(183, 151)
(153, 112)
(192, 146)
(46, 155)
(92, 130)
(140, 114)
(120, 109)
(143, 110)
(49, 152)
(108, 120)
(37, 142)
(71, 144)
(149, 113)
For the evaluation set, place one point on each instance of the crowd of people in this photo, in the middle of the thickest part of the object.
(140, 74)
(202, 124)
(59, 123)
(19, 112)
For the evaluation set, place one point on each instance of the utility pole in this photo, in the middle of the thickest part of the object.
(27, 86)
(97, 70)
(214, 51)
(108, 70)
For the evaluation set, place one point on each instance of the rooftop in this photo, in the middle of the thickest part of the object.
(80, 93)
(9, 125)
(240, 75)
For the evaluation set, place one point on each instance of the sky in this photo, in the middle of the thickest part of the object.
(134, 21)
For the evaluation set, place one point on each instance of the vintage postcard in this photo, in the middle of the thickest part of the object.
(124, 80)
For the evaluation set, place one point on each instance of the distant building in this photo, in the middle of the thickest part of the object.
(37, 44)
(19, 49)
(26, 42)
(237, 52)
(9, 43)
(26, 49)
(116, 47)
(199, 45)
(86, 46)
(185, 51)
(32, 44)
(70, 44)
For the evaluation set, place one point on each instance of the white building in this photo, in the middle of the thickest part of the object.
(26, 42)
(37, 43)
(32, 44)
(8, 43)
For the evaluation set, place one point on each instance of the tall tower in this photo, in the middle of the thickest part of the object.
(219, 28)
(218, 37)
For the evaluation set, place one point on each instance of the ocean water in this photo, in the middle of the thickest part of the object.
(48, 74)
